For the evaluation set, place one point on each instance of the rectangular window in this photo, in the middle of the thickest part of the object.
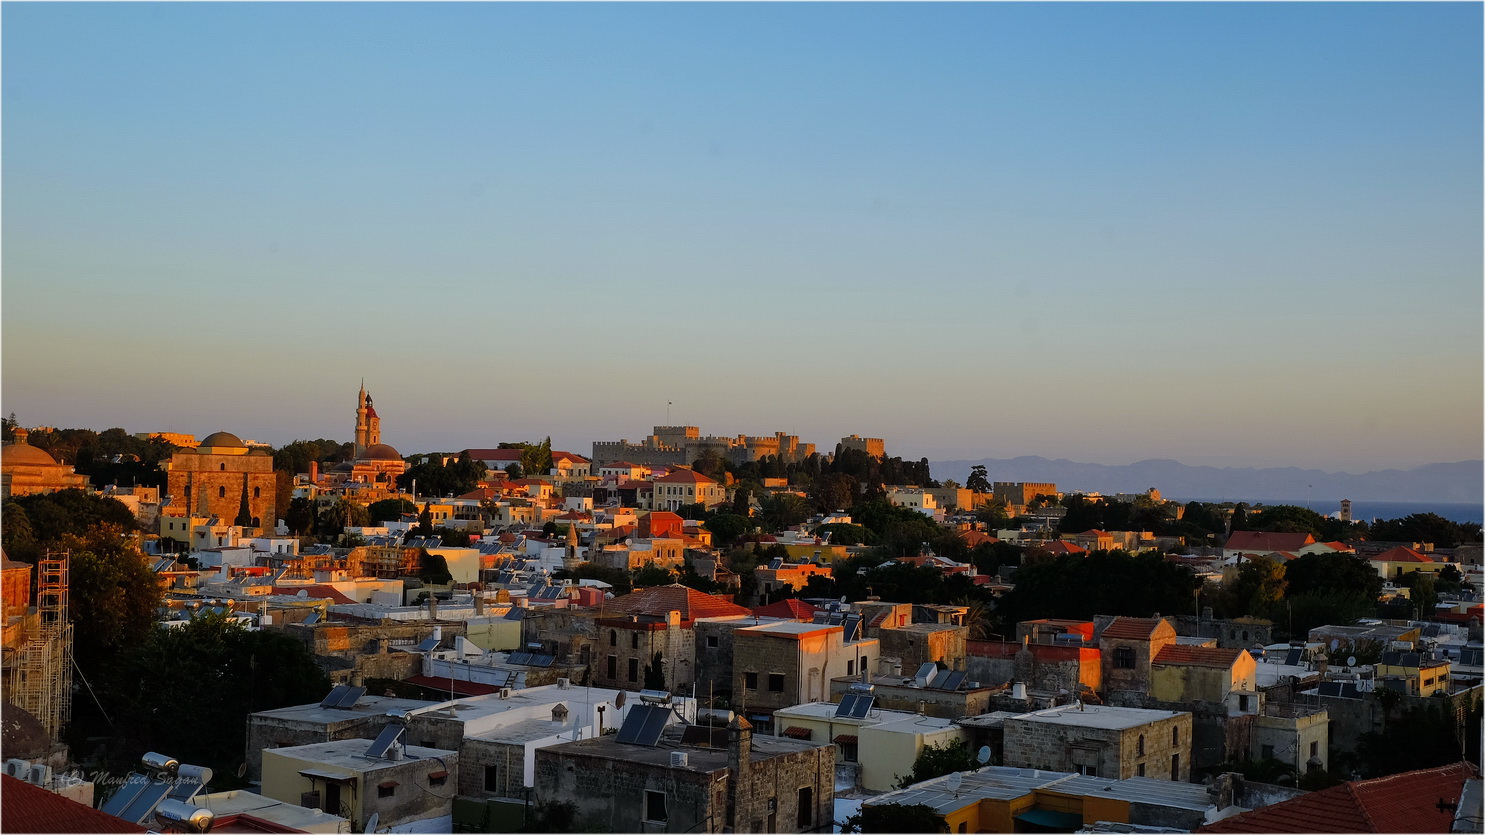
(848, 752)
(655, 807)
(1314, 749)
(1268, 752)
(386, 790)
(492, 778)
(1123, 658)
(1175, 735)
(438, 778)
(712, 642)
(806, 814)
(775, 682)
(1243, 703)
(1175, 766)
(850, 668)
(1140, 770)
(750, 681)
(634, 669)
(613, 666)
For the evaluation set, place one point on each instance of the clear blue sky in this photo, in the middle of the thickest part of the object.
(1229, 234)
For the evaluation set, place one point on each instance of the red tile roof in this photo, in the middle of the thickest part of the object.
(1406, 802)
(1136, 628)
(1060, 547)
(684, 476)
(659, 600)
(973, 538)
(443, 684)
(31, 808)
(788, 608)
(1401, 554)
(1198, 656)
(316, 591)
(1264, 541)
(562, 455)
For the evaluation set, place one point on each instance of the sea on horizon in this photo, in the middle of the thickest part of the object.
(1367, 511)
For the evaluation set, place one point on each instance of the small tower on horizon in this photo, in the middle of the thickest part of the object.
(1345, 510)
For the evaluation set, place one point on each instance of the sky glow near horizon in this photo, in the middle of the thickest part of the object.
(1227, 234)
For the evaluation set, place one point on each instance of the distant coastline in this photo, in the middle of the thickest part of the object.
(1461, 483)
(1366, 511)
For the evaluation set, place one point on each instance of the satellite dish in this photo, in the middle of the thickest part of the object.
(376, 818)
(241, 770)
(843, 598)
(955, 781)
(619, 699)
(984, 754)
(1350, 661)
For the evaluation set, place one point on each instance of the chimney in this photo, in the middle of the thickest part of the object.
(739, 761)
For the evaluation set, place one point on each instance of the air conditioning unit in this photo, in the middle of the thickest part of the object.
(309, 800)
(19, 769)
(41, 775)
(564, 683)
(678, 759)
(505, 692)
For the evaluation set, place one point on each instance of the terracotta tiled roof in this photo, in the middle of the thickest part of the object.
(1401, 554)
(683, 476)
(1264, 541)
(1136, 628)
(560, 455)
(31, 808)
(659, 600)
(973, 538)
(1407, 802)
(1198, 656)
(1060, 547)
(316, 591)
(787, 608)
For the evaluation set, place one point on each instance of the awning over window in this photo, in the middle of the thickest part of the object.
(845, 739)
(796, 732)
(1043, 820)
(438, 775)
(388, 784)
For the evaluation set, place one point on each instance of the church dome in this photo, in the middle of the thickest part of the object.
(223, 439)
(19, 453)
(380, 452)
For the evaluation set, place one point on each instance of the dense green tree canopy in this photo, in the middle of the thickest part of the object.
(938, 760)
(433, 478)
(1424, 527)
(55, 515)
(188, 690)
(1102, 583)
(389, 510)
(114, 597)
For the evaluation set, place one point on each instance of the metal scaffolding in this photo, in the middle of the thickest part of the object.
(39, 679)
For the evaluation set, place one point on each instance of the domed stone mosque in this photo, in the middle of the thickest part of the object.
(216, 477)
(26, 470)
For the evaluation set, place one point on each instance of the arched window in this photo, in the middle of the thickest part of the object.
(1139, 746)
(256, 522)
(634, 641)
(222, 466)
(257, 492)
(221, 492)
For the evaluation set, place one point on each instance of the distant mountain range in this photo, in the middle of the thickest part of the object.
(1457, 482)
